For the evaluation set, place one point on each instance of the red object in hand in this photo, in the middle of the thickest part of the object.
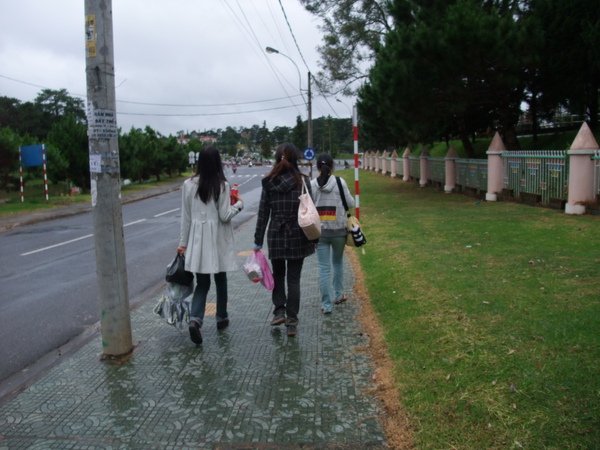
(234, 191)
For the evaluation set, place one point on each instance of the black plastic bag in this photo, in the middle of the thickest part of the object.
(176, 272)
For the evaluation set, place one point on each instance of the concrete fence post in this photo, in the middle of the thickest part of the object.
(424, 166)
(450, 163)
(495, 168)
(394, 164)
(581, 171)
(377, 161)
(384, 162)
(406, 164)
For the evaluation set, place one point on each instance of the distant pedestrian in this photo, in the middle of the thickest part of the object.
(207, 236)
(330, 251)
(288, 245)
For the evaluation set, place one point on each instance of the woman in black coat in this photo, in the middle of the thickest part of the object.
(288, 246)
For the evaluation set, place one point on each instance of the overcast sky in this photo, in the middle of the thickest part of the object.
(180, 64)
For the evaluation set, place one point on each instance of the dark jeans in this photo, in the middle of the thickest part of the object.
(201, 293)
(289, 303)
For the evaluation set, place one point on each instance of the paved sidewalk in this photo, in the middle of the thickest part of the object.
(248, 386)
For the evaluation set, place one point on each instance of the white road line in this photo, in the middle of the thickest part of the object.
(72, 240)
(167, 212)
(133, 223)
(57, 245)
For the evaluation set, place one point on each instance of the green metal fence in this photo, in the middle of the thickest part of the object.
(415, 166)
(437, 169)
(541, 172)
(472, 173)
(400, 167)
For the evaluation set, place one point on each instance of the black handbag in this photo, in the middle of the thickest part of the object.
(176, 272)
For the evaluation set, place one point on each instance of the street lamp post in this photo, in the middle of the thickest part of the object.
(309, 103)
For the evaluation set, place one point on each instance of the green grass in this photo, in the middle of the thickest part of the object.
(35, 198)
(491, 312)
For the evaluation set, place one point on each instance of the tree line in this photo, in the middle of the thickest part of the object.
(59, 121)
(431, 70)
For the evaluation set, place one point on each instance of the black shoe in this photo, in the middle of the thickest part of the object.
(291, 330)
(278, 319)
(195, 333)
(221, 324)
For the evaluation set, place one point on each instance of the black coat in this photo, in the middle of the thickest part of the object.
(279, 210)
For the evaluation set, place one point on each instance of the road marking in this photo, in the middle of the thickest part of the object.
(72, 240)
(133, 223)
(167, 212)
(57, 245)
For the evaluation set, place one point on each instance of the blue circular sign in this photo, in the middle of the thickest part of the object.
(309, 154)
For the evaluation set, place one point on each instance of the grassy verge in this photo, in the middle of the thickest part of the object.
(35, 198)
(491, 312)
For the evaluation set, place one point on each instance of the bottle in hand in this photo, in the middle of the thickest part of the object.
(234, 191)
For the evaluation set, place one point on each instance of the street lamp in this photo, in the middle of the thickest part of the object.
(308, 105)
(349, 110)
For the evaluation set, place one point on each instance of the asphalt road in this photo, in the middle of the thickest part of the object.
(48, 286)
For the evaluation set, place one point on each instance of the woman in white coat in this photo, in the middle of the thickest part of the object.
(207, 236)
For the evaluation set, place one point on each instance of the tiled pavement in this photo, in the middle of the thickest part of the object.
(248, 386)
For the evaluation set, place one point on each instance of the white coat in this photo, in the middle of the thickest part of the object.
(206, 230)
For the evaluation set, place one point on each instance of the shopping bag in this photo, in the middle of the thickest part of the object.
(267, 277)
(355, 237)
(176, 272)
(257, 269)
(252, 268)
(308, 216)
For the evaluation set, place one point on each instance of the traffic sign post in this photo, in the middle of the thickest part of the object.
(309, 154)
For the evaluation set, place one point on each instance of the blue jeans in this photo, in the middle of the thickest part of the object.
(330, 253)
(201, 293)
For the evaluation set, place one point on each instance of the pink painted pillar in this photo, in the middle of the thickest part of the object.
(581, 171)
(394, 164)
(495, 168)
(424, 167)
(450, 162)
(406, 164)
(384, 162)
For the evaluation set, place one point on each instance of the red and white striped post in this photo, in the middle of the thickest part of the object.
(21, 176)
(45, 172)
(356, 189)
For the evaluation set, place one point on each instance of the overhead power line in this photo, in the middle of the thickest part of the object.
(208, 114)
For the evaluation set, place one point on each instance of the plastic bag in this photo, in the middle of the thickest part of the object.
(257, 269)
(252, 268)
(267, 277)
(176, 305)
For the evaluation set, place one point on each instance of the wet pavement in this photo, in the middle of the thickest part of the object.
(249, 386)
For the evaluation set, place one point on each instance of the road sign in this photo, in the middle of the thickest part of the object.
(309, 154)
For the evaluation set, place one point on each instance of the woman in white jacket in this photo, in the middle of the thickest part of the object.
(207, 236)
(330, 250)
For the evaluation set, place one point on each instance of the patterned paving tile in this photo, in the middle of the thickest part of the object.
(248, 386)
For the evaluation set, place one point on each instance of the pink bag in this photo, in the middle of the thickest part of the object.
(257, 269)
(267, 277)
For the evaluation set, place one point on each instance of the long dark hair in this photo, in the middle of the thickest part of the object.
(209, 171)
(286, 160)
(325, 167)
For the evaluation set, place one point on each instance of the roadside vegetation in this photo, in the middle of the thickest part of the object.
(490, 314)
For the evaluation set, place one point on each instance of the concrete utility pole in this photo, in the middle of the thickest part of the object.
(111, 269)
